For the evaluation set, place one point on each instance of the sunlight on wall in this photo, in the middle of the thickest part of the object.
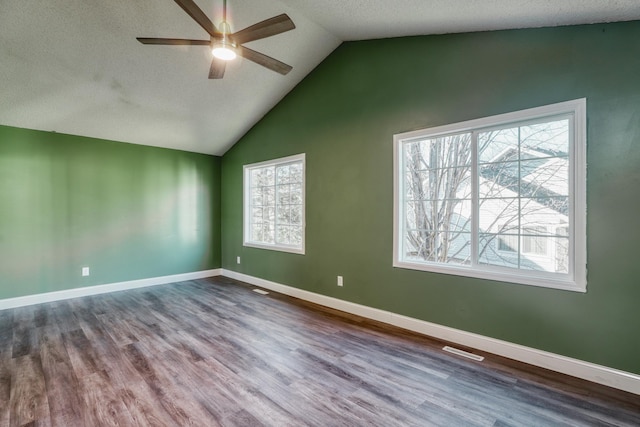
(187, 203)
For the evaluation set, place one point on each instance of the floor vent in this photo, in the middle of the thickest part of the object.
(260, 291)
(463, 353)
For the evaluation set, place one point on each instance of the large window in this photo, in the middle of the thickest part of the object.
(274, 204)
(501, 198)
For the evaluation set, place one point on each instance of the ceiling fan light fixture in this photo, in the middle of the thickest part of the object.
(223, 50)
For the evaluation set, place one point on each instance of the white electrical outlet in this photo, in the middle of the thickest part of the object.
(85, 271)
(238, 260)
(340, 283)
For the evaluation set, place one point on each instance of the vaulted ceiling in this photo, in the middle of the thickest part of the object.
(74, 66)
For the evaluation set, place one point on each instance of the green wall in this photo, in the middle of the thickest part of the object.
(343, 116)
(126, 211)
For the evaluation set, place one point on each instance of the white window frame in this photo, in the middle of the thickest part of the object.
(576, 278)
(246, 217)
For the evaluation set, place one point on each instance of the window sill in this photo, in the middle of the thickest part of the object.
(279, 248)
(541, 280)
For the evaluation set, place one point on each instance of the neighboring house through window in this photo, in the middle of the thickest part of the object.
(274, 204)
(500, 198)
(532, 242)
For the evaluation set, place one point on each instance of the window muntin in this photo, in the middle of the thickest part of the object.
(500, 198)
(274, 204)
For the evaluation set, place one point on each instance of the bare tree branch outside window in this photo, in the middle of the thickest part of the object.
(522, 197)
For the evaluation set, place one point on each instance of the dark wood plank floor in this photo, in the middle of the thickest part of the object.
(212, 352)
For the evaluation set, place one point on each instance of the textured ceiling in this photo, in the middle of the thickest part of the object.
(373, 19)
(74, 66)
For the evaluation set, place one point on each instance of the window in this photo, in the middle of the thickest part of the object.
(508, 243)
(274, 204)
(531, 243)
(500, 198)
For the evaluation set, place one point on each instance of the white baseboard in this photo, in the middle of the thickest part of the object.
(578, 368)
(102, 289)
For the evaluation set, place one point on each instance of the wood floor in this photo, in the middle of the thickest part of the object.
(212, 352)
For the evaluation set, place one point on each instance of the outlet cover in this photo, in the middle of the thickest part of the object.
(85, 271)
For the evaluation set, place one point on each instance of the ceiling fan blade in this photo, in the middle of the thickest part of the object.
(264, 60)
(198, 15)
(174, 42)
(268, 27)
(216, 71)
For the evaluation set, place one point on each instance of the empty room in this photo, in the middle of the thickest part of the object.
(319, 213)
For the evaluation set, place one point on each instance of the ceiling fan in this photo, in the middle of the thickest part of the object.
(226, 45)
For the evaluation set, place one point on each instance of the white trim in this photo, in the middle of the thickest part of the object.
(576, 279)
(103, 289)
(579, 187)
(246, 204)
(578, 368)
(277, 247)
(577, 105)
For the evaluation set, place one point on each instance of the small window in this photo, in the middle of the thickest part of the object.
(274, 204)
(533, 241)
(501, 198)
(508, 243)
